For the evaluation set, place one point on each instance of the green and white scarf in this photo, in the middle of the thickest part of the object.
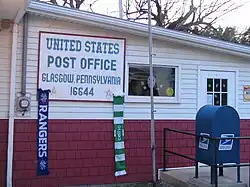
(120, 165)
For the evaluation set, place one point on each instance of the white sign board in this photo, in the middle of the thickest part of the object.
(203, 141)
(84, 68)
(226, 144)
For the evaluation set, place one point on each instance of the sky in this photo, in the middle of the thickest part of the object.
(238, 18)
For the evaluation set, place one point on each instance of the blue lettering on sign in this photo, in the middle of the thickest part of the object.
(102, 47)
(102, 64)
(42, 132)
(61, 78)
(80, 91)
(98, 79)
(80, 78)
(60, 44)
(57, 44)
(61, 62)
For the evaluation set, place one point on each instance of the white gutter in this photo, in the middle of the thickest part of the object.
(113, 23)
(12, 107)
(22, 11)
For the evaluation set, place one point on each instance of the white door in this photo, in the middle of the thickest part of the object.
(217, 88)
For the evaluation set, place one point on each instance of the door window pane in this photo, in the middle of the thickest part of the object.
(224, 99)
(210, 99)
(224, 85)
(216, 85)
(217, 99)
(209, 85)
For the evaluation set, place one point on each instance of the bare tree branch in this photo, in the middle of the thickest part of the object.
(174, 14)
(53, 1)
(191, 16)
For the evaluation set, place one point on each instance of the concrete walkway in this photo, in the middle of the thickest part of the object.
(181, 177)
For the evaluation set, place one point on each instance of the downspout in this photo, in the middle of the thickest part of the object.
(24, 56)
(12, 91)
(12, 106)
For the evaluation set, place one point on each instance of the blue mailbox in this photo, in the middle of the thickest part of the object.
(217, 121)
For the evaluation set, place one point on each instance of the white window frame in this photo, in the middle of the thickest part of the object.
(157, 99)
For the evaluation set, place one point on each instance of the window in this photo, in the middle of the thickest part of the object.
(217, 91)
(164, 81)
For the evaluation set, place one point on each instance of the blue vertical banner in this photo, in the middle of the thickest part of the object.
(42, 132)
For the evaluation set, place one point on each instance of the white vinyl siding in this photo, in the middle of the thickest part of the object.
(244, 79)
(136, 52)
(5, 60)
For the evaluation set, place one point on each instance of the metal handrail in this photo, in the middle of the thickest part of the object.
(209, 137)
(214, 179)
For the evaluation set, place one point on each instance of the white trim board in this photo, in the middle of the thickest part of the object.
(146, 99)
(217, 69)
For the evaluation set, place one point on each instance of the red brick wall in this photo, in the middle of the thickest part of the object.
(81, 151)
(245, 144)
(3, 150)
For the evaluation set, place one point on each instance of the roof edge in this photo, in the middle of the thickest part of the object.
(118, 24)
(22, 11)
